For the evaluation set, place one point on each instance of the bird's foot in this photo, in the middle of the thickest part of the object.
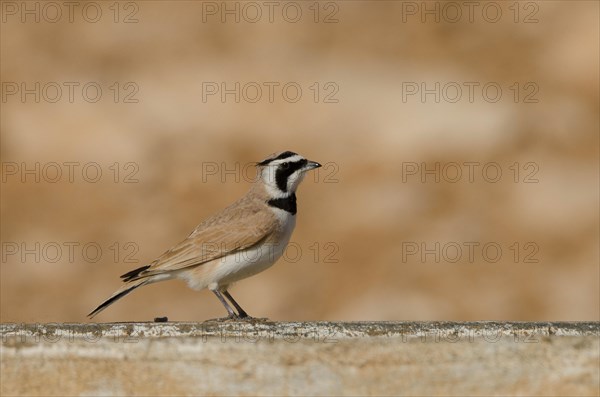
(243, 316)
(233, 317)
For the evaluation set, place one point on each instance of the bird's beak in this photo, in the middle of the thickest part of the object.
(312, 165)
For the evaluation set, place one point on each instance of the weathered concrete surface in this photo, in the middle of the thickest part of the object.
(265, 358)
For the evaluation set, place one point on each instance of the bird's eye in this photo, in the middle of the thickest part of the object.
(285, 165)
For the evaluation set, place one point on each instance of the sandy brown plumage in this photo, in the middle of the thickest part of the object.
(240, 226)
(212, 256)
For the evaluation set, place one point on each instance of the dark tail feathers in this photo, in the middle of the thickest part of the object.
(118, 295)
(135, 273)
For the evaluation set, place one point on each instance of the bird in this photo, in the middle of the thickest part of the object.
(244, 239)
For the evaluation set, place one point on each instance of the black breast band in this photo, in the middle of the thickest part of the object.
(286, 203)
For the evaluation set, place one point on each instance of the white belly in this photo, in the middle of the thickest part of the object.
(243, 264)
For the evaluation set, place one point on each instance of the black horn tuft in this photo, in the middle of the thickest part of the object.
(281, 156)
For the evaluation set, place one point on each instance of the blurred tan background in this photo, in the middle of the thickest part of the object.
(359, 215)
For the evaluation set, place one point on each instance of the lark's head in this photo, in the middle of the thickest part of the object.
(282, 172)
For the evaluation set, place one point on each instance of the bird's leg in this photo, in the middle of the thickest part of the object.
(230, 311)
(241, 311)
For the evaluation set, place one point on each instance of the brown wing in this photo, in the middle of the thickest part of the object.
(237, 228)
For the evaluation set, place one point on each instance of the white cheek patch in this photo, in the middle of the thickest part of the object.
(274, 191)
(268, 177)
(294, 180)
(267, 174)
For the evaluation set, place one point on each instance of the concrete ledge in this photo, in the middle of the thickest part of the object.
(267, 358)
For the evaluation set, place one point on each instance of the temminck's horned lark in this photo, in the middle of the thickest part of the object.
(242, 240)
